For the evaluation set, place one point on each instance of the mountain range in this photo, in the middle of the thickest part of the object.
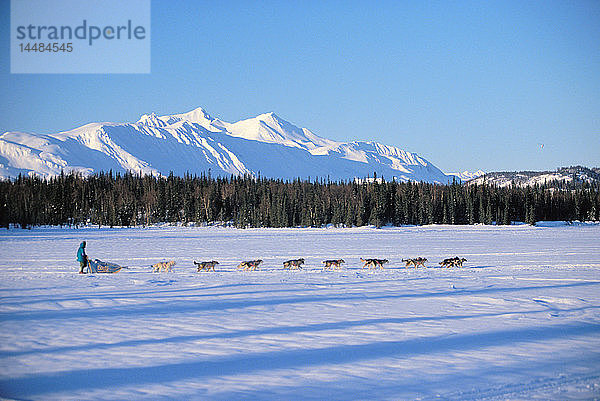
(195, 142)
(563, 175)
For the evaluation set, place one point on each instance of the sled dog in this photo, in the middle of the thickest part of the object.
(416, 262)
(250, 264)
(208, 266)
(163, 266)
(453, 262)
(333, 264)
(459, 261)
(293, 264)
(374, 263)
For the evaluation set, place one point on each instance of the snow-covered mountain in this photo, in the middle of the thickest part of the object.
(195, 142)
(563, 175)
(468, 175)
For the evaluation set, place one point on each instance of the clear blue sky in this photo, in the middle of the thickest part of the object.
(466, 85)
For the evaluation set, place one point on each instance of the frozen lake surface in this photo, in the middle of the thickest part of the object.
(520, 320)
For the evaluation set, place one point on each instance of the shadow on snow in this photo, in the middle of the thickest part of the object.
(106, 378)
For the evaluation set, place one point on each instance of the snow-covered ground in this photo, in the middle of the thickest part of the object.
(520, 321)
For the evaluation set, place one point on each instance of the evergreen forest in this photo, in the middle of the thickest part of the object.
(114, 199)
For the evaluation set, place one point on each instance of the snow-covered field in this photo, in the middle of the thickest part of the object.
(520, 321)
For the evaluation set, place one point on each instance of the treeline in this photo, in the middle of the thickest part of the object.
(108, 199)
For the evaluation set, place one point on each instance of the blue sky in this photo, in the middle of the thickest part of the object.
(467, 85)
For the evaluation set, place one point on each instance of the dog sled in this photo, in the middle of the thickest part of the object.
(98, 266)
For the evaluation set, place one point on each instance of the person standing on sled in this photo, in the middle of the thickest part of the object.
(82, 257)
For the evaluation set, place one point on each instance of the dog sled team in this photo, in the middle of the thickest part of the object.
(98, 266)
(296, 264)
(251, 265)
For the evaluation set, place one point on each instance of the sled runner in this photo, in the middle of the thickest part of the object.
(98, 266)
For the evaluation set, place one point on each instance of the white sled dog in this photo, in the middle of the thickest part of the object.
(163, 266)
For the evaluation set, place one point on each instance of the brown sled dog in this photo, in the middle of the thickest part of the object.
(333, 264)
(250, 264)
(293, 264)
(166, 266)
(453, 262)
(208, 266)
(416, 262)
(374, 263)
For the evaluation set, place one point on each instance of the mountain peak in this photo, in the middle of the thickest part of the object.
(152, 120)
(196, 115)
(270, 117)
(271, 128)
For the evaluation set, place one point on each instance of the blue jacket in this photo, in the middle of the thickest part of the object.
(81, 256)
